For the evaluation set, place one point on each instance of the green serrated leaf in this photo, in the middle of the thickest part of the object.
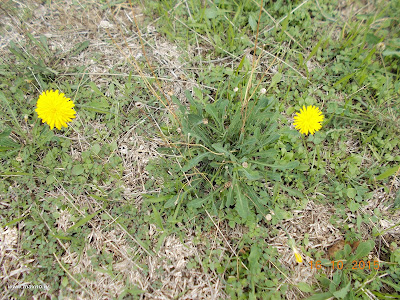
(157, 217)
(61, 237)
(289, 166)
(340, 294)
(79, 48)
(12, 222)
(194, 161)
(172, 201)
(314, 49)
(363, 249)
(83, 221)
(388, 172)
(198, 202)
(321, 296)
(211, 110)
(219, 148)
(252, 22)
(275, 79)
(251, 174)
(390, 52)
(156, 199)
(242, 205)
(304, 287)
(397, 199)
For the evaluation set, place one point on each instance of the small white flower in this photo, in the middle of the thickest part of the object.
(235, 89)
(263, 91)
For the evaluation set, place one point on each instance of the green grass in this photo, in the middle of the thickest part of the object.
(233, 174)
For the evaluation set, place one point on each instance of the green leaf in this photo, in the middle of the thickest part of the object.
(342, 292)
(397, 199)
(16, 174)
(230, 194)
(210, 109)
(344, 79)
(275, 79)
(79, 48)
(61, 237)
(388, 172)
(77, 170)
(304, 287)
(351, 193)
(219, 148)
(393, 285)
(322, 296)
(172, 201)
(292, 192)
(196, 203)
(195, 120)
(389, 52)
(12, 222)
(242, 205)
(156, 199)
(315, 49)
(353, 206)
(96, 148)
(157, 217)
(362, 250)
(194, 161)
(289, 166)
(211, 13)
(64, 282)
(83, 221)
(251, 174)
(252, 23)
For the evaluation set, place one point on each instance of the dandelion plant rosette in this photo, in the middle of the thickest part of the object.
(55, 109)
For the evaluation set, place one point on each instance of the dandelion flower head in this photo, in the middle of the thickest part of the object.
(308, 120)
(55, 109)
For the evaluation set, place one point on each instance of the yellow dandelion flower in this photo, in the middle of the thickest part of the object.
(308, 120)
(297, 255)
(55, 109)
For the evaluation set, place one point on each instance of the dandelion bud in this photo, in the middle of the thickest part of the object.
(297, 255)
(205, 121)
(245, 165)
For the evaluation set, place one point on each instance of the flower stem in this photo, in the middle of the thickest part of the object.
(305, 148)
